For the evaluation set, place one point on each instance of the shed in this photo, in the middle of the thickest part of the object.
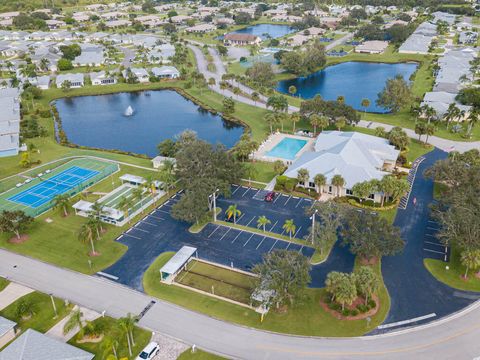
(132, 179)
(176, 263)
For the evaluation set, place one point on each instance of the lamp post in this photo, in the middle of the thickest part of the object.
(53, 304)
(214, 200)
(313, 223)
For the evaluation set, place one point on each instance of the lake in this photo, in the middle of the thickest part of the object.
(353, 80)
(99, 121)
(273, 30)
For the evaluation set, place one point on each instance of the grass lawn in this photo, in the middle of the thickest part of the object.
(43, 314)
(306, 317)
(222, 282)
(3, 283)
(264, 171)
(198, 355)
(141, 337)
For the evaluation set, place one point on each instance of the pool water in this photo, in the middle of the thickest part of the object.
(287, 148)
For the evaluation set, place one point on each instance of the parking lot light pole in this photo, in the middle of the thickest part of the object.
(313, 224)
(215, 205)
(53, 304)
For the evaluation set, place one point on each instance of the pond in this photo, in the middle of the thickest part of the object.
(100, 121)
(353, 80)
(261, 30)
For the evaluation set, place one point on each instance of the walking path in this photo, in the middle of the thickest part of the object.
(444, 144)
(449, 338)
(339, 41)
(12, 293)
(57, 330)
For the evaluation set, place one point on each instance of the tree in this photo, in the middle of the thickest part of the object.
(110, 345)
(62, 201)
(255, 97)
(66, 86)
(392, 186)
(338, 181)
(453, 113)
(70, 52)
(277, 103)
(472, 119)
(470, 258)
(330, 216)
(228, 106)
(289, 227)
(320, 181)
(242, 18)
(166, 148)
(420, 129)
(232, 211)
(341, 99)
(14, 222)
(25, 309)
(303, 177)
(167, 175)
(64, 64)
(125, 204)
(429, 131)
(399, 138)
(370, 236)
(396, 94)
(315, 121)
(74, 321)
(292, 90)
(342, 287)
(261, 74)
(262, 222)
(127, 325)
(295, 118)
(86, 235)
(365, 104)
(271, 120)
(287, 273)
(362, 190)
(278, 167)
(340, 123)
(367, 282)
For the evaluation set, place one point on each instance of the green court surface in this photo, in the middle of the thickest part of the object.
(114, 199)
(36, 193)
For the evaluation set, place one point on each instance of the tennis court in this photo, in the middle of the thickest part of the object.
(56, 185)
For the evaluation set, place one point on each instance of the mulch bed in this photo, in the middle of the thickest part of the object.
(16, 240)
(357, 301)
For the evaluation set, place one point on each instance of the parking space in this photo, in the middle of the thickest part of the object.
(432, 247)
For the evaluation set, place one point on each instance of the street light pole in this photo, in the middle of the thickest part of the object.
(313, 224)
(53, 304)
(215, 205)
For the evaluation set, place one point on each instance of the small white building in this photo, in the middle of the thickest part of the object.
(372, 47)
(201, 28)
(101, 78)
(76, 80)
(140, 73)
(165, 72)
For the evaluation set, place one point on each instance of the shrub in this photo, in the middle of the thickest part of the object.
(362, 308)
(354, 312)
(345, 312)
(371, 303)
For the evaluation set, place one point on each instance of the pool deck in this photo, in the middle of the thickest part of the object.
(273, 140)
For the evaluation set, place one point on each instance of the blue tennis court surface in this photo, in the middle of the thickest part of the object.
(51, 187)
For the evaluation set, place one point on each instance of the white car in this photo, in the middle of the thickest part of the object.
(149, 351)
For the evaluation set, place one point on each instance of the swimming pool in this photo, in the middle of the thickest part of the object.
(287, 148)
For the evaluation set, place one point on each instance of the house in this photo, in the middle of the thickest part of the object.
(42, 82)
(140, 74)
(165, 72)
(201, 28)
(286, 18)
(54, 24)
(158, 161)
(32, 345)
(150, 20)
(314, 31)
(419, 41)
(441, 100)
(355, 156)
(113, 15)
(467, 37)
(117, 23)
(224, 21)
(241, 39)
(178, 19)
(372, 47)
(101, 78)
(9, 121)
(9, 15)
(298, 39)
(91, 55)
(443, 16)
(76, 80)
(7, 331)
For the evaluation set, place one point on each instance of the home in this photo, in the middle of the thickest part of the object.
(140, 74)
(356, 157)
(224, 21)
(81, 16)
(298, 39)
(286, 18)
(102, 78)
(42, 82)
(249, 11)
(208, 10)
(75, 80)
(165, 72)
(96, 7)
(9, 15)
(7, 331)
(114, 15)
(9, 121)
(178, 19)
(54, 24)
(330, 22)
(150, 20)
(440, 102)
(372, 47)
(314, 31)
(117, 23)
(158, 161)
(32, 345)
(201, 28)
(467, 37)
(92, 55)
(241, 39)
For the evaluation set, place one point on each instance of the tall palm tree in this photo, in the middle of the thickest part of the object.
(303, 176)
(470, 258)
(167, 175)
(472, 120)
(262, 222)
(289, 227)
(365, 104)
(233, 211)
(62, 201)
(85, 235)
(123, 325)
(314, 121)
(255, 97)
(271, 120)
(75, 320)
(323, 122)
(452, 113)
(128, 322)
(125, 204)
(295, 117)
(338, 181)
(97, 211)
(320, 181)
(110, 345)
(429, 131)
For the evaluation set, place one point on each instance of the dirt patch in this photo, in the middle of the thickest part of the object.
(16, 240)
(357, 301)
(372, 261)
(93, 254)
(93, 340)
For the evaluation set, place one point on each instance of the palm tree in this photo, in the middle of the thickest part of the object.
(255, 97)
(341, 99)
(167, 175)
(125, 204)
(137, 195)
(292, 90)
(86, 235)
(320, 181)
(470, 258)
(338, 181)
(315, 121)
(303, 177)
(271, 120)
(123, 324)
(365, 104)
(262, 222)
(323, 122)
(429, 131)
(290, 227)
(233, 211)
(73, 322)
(109, 345)
(472, 120)
(420, 129)
(453, 113)
(128, 324)
(62, 201)
(340, 122)
(295, 117)
(97, 212)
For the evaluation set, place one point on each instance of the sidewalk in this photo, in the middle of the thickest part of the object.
(57, 330)
(12, 293)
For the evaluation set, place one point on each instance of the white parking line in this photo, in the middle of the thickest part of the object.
(251, 220)
(239, 233)
(248, 240)
(225, 234)
(135, 237)
(260, 243)
(295, 235)
(146, 231)
(403, 322)
(245, 192)
(431, 221)
(288, 245)
(146, 222)
(275, 243)
(276, 198)
(235, 190)
(300, 250)
(241, 216)
(429, 242)
(155, 217)
(431, 228)
(213, 231)
(166, 212)
(430, 235)
(273, 226)
(298, 203)
(433, 251)
(287, 200)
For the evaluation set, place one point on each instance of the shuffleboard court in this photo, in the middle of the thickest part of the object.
(49, 188)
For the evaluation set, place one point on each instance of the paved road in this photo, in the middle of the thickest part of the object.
(456, 339)
(339, 41)
(438, 142)
(128, 56)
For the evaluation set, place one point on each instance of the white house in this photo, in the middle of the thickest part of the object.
(140, 73)
(76, 80)
(372, 47)
(101, 78)
(355, 156)
(165, 72)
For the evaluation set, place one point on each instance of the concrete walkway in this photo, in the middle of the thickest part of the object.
(57, 330)
(12, 293)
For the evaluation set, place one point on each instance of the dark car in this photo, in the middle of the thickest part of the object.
(270, 196)
(228, 219)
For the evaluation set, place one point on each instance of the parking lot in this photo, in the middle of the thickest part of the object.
(431, 245)
(158, 232)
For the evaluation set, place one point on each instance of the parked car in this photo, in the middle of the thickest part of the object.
(270, 196)
(149, 352)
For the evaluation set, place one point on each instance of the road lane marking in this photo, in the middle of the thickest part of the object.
(409, 321)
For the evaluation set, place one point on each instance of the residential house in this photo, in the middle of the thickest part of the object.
(372, 47)
(165, 72)
(7, 331)
(140, 74)
(178, 19)
(76, 80)
(441, 100)
(241, 39)
(356, 157)
(419, 41)
(9, 121)
(55, 24)
(101, 78)
(201, 28)
(468, 37)
(117, 23)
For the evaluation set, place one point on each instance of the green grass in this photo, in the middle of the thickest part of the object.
(141, 337)
(198, 355)
(3, 283)
(264, 171)
(225, 283)
(306, 317)
(44, 316)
